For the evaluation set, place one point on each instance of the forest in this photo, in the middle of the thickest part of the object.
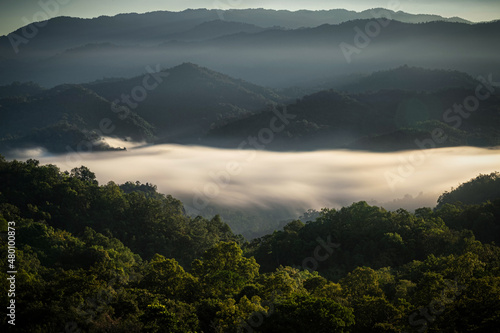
(240, 169)
(96, 257)
(383, 111)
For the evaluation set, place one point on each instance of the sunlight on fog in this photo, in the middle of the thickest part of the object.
(201, 176)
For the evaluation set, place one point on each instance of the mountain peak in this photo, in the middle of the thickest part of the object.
(189, 65)
(186, 68)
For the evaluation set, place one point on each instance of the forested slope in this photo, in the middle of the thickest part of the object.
(110, 258)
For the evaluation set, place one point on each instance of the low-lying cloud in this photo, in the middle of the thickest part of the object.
(202, 176)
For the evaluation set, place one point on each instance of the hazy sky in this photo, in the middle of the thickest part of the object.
(14, 13)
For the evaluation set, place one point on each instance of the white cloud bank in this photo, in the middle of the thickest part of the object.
(200, 176)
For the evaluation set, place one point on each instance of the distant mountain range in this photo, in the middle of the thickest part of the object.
(214, 29)
(402, 78)
(160, 26)
(185, 105)
(266, 47)
(193, 104)
(64, 116)
(375, 115)
(191, 100)
(356, 79)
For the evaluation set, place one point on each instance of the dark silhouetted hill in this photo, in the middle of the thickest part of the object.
(191, 100)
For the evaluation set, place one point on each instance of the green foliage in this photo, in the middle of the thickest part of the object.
(367, 236)
(305, 313)
(361, 282)
(79, 250)
(172, 317)
(224, 268)
(476, 191)
(143, 219)
(482, 219)
(166, 277)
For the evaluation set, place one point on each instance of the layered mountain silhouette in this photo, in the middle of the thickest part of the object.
(357, 78)
(384, 111)
(270, 48)
(18, 89)
(191, 100)
(382, 119)
(403, 78)
(65, 118)
(215, 29)
(163, 25)
(181, 105)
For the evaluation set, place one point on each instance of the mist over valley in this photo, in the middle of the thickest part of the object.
(230, 169)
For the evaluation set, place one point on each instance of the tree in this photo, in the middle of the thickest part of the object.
(223, 270)
(372, 313)
(84, 174)
(170, 317)
(363, 281)
(166, 277)
(308, 314)
(475, 191)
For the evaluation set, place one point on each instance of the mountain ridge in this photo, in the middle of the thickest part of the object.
(180, 104)
(273, 57)
(384, 119)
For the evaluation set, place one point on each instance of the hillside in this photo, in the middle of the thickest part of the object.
(378, 120)
(407, 78)
(89, 50)
(241, 169)
(65, 116)
(476, 191)
(214, 29)
(129, 259)
(191, 100)
(18, 89)
(160, 26)
(193, 104)
(181, 104)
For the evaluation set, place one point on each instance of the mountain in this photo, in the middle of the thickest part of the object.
(179, 104)
(215, 29)
(17, 89)
(384, 120)
(481, 189)
(308, 18)
(400, 78)
(62, 33)
(315, 118)
(278, 54)
(405, 138)
(405, 78)
(127, 259)
(191, 104)
(191, 100)
(157, 26)
(65, 116)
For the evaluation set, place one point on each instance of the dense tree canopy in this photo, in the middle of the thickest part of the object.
(109, 258)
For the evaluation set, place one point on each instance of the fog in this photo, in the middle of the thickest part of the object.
(274, 58)
(202, 176)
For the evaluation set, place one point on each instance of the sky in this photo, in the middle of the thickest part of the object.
(17, 13)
